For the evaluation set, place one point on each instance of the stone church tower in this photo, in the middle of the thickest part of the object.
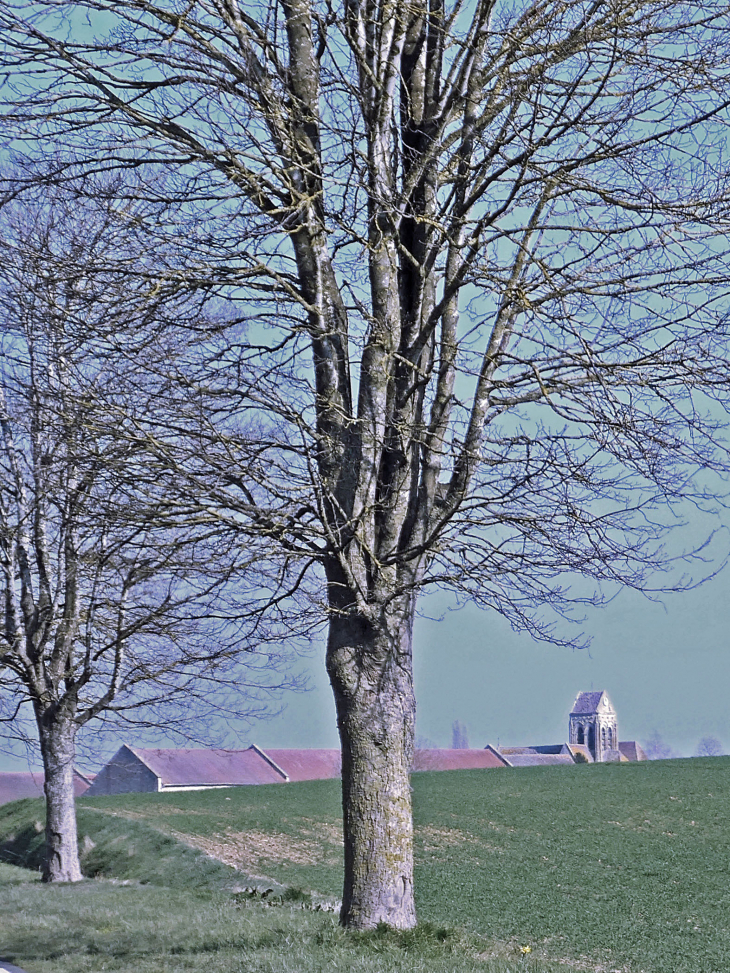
(593, 724)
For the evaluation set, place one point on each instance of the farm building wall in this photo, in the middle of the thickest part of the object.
(124, 774)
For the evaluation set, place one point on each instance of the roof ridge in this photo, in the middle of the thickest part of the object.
(136, 751)
(269, 761)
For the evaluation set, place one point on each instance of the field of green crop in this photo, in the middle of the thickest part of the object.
(602, 867)
(626, 864)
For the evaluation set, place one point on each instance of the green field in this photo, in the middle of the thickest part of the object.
(597, 867)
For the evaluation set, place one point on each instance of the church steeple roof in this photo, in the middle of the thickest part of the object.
(588, 702)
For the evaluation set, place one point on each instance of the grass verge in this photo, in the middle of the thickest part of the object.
(104, 925)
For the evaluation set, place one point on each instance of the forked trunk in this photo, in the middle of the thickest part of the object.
(58, 746)
(371, 675)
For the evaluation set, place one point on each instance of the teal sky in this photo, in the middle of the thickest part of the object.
(666, 668)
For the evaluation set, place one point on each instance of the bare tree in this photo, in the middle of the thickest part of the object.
(459, 736)
(657, 749)
(709, 747)
(113, 607)
(480, 256)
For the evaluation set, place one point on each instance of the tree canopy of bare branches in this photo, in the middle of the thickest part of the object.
(116, 607)
(709, 746)
(479, 256)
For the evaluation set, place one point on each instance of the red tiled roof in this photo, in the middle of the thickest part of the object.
(198, 768)
(211, 768)
(324, 764)
(82, 782)
(307, 764)
(456, 759)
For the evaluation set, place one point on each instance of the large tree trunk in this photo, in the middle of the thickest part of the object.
(370, 668)
(58, 746)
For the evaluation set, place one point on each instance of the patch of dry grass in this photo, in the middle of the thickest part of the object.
(252, 849)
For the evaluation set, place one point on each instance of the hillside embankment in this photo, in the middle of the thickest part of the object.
(613, 867)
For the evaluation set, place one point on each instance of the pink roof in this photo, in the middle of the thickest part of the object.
(198, 768)
(325, 764)
(457, 759)
(221, 768)
(632, 750)
(82, 782)
(307, 764)
(14, 787)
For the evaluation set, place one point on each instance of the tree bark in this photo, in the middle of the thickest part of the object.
(370, 669)
(58, 747)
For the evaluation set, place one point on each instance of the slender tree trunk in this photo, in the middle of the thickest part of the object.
(58, 746)
(371, 673)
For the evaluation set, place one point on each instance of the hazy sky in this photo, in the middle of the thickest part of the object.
(666, 667)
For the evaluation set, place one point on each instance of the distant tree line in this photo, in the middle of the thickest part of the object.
(657, 749)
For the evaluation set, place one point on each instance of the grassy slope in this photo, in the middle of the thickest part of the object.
(626, 866)
(114, 847)
(285, 833)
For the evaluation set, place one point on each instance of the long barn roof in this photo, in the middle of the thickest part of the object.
(220, 768)
(14, 787)
(457, 759)
(201, 768)
(307, 764)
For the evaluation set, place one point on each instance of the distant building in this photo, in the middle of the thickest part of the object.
(539, 756)
(305, 764)
(632, 750)
(593, 723)
(592, 738)
(458, 759)
(14, 787)
(135, 770)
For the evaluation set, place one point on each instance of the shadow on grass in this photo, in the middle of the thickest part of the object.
(24, 848)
